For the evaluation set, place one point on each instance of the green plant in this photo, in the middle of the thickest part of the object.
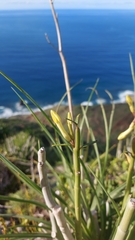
(85, 199)
(99, 197)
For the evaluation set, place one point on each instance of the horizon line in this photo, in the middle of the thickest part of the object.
(94, 8)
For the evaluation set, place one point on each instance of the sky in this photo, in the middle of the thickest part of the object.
(41, 4)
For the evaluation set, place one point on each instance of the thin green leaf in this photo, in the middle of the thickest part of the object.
(36, 219)
(65, 94)
(112, 201)
(93, 140)
(19, 174)
(8, 198)
(132, 72)
(26, 95)
(25, 235)
(89, 99)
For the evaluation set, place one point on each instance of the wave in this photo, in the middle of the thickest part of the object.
(5, 112)
(121, 99)
(122, 96)
(20, 109)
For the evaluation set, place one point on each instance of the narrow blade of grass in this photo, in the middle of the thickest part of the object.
(8, 198)
(108, 195)
(19, 174)
(25, 236)
(31, 218)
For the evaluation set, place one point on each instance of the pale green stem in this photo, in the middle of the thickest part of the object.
(49, 200)
(128, 182)
(77, 188)
(122, 229)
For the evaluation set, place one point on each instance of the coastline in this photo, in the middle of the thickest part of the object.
(122, 119)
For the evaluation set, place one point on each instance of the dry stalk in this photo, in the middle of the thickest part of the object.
(65, 72)
(49, 200)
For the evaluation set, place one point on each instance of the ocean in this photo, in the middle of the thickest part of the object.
(96, 45)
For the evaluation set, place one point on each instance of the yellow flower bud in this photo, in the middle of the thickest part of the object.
(129, 100)
(57, 120)
(128, 157)
(132, 110)
(77, 118)
(55, 117)
(130, 103)
(69, 124)
(126, 133)
(69, 118)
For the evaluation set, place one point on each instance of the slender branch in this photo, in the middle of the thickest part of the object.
(65, 72)
(49, 42)
(49, 200)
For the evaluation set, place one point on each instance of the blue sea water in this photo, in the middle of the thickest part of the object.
(96, 44)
